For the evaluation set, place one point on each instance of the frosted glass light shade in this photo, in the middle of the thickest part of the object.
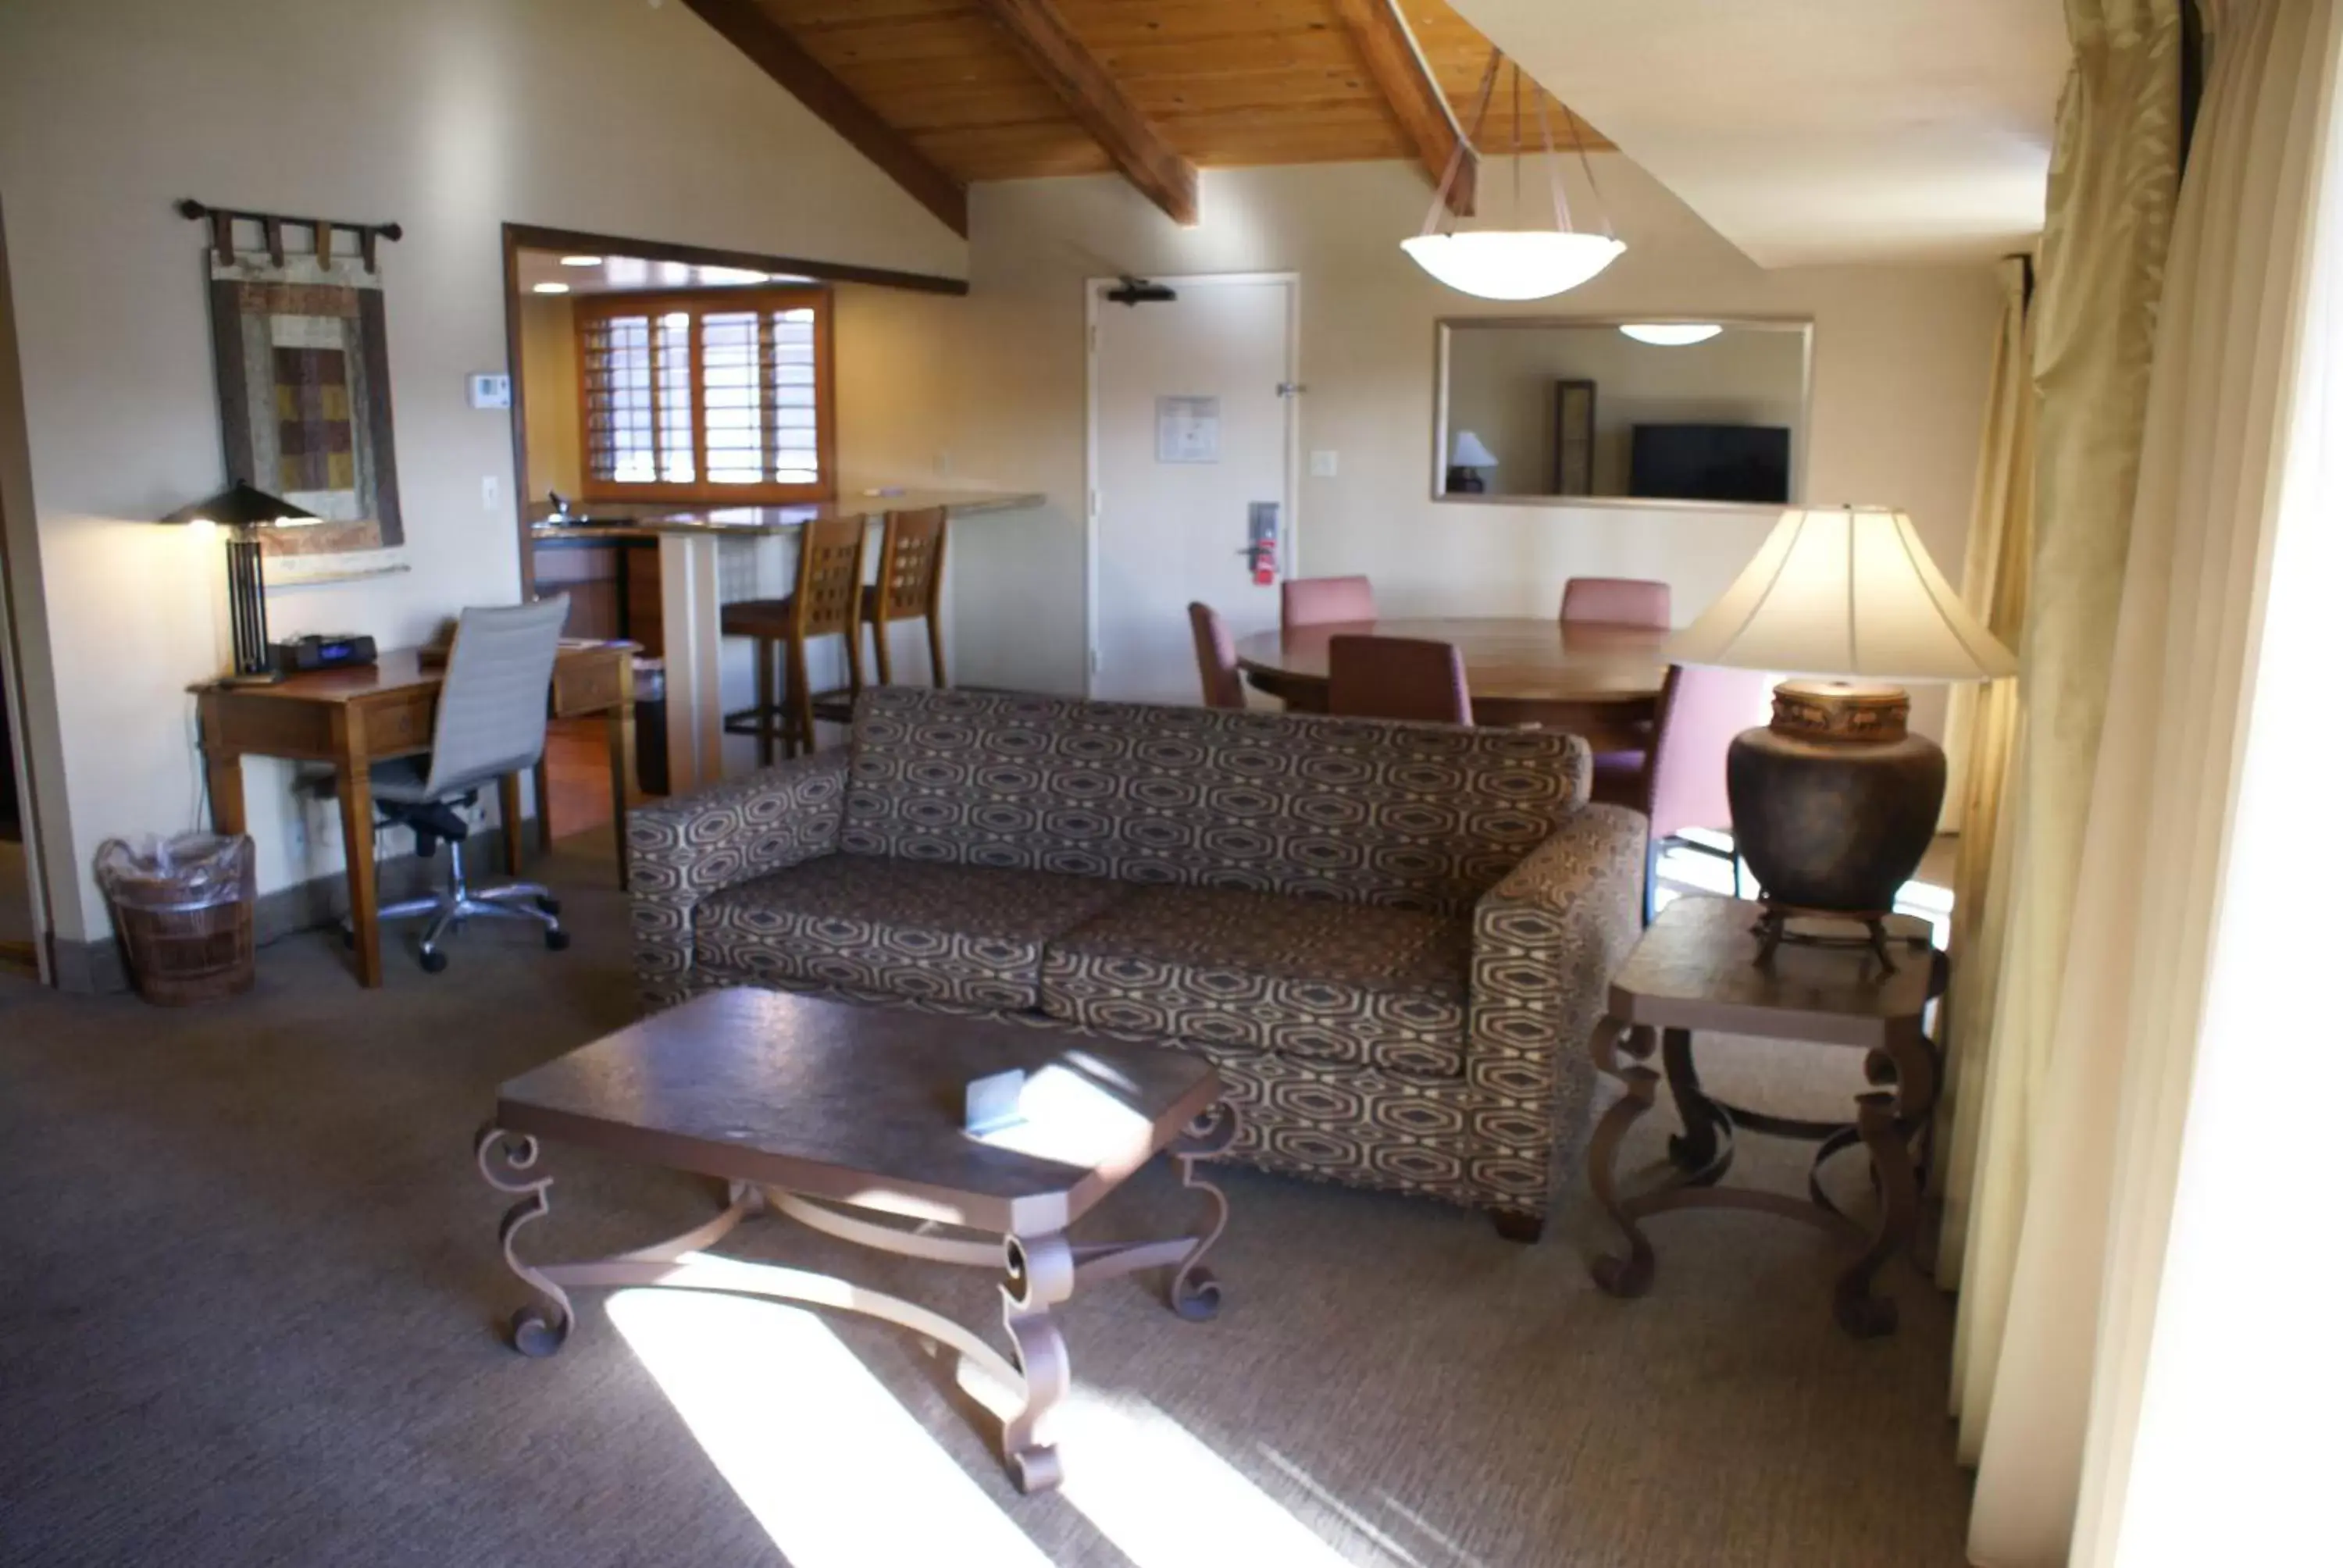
(1512, 264)
(1671, 333)
(1843, 591)
(1472, 452)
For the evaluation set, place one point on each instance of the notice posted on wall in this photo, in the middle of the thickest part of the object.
(1187, 429)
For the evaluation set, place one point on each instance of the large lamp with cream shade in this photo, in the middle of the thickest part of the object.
(1835, 802)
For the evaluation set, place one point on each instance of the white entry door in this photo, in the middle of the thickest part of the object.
(1193, 424)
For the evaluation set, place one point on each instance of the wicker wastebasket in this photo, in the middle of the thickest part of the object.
(182, 908)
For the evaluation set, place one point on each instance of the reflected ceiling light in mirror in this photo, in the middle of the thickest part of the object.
(730, 275)
(1519, 262)
(581, 261)
(552, 289)
(1671, 333)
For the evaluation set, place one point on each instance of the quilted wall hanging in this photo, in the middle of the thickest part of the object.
(302, 357)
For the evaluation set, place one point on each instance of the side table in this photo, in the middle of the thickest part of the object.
(1696, 968)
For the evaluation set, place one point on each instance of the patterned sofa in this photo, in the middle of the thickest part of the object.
(1393, 939)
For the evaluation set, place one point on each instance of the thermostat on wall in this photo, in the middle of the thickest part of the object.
(491, 391)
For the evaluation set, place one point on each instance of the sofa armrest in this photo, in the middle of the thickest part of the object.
(1545, 942)
(680, 850)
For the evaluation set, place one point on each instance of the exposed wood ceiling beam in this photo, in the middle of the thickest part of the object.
(1094, 98)
(1407, 84)
(754, 34)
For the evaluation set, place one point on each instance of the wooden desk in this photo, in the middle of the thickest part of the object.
(353, 718)
(1600, 681)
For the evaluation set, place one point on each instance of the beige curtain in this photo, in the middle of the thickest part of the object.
(2193, 991)
(1982, 733)
(2082, 1239)
(2114, 176)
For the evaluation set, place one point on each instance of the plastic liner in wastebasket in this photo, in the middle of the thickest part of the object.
(182, 907)
(183, 871)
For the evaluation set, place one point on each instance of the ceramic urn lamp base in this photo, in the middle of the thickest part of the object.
(1833, 805)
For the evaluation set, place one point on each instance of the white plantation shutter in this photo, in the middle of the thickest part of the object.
(734, 380)
(792, 442)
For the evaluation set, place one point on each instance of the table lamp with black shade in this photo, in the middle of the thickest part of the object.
(1834, 803)
(242, 512)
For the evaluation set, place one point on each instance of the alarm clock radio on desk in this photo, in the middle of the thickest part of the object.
(338, 650)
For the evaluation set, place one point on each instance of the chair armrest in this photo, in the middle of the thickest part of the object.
(680, 850)
(1545, 942)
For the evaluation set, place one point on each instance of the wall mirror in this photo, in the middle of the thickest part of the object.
(1669, 411)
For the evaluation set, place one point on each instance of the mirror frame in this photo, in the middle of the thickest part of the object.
(1443, 338)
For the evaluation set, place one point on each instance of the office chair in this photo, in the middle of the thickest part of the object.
(492, 722)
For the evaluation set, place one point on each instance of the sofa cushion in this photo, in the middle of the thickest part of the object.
(1302, 977)
(1420, 816)
(967, 934)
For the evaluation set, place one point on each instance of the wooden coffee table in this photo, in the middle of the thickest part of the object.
(811, 1108)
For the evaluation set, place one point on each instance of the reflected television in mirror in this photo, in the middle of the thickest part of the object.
(1622, 411)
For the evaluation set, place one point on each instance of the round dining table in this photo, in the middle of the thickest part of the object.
(1598, 680)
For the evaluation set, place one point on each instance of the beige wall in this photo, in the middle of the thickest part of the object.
(547, 374)
(451, 117)
(1900, 356)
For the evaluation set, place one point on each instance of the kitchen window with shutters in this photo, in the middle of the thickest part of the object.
(712, 396)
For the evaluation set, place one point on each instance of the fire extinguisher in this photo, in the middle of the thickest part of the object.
(1262, 527)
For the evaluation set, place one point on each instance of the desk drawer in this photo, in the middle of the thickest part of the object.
(400, 724)
(585, 685)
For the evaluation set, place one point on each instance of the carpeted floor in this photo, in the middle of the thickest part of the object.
(249, 1280)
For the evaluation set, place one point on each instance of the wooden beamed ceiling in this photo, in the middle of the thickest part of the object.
(942, 94)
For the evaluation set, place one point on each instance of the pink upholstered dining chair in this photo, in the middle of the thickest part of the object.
(1216, 657)
(1679, 783)
(1315, 601)
(1397, 678)
(1617, 602)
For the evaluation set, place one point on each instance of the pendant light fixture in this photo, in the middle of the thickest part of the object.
(1518, 262)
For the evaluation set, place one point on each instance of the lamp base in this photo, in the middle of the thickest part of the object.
(264, 678)
(1773, 929)
(1835, 802)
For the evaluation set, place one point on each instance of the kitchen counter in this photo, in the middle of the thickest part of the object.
(619, 521)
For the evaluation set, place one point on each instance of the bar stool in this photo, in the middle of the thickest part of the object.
(827, 598)
(910, 585)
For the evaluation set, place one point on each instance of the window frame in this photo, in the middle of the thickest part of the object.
(590, 310)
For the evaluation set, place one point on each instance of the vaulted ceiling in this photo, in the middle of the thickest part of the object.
(1816, 131)
(945, 92)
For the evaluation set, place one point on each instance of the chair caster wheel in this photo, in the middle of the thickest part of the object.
(556, 940)
(434, 961)
(551, 906)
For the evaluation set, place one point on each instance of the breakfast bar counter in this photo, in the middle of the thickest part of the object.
(659, 574)
(608, 521)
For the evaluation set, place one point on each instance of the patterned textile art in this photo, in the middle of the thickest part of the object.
(305, 396)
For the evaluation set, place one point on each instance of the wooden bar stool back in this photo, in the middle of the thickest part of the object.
(824, 604)
(910, 585)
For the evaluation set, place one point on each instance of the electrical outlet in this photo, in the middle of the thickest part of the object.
(1323, 465)
(490, 487)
